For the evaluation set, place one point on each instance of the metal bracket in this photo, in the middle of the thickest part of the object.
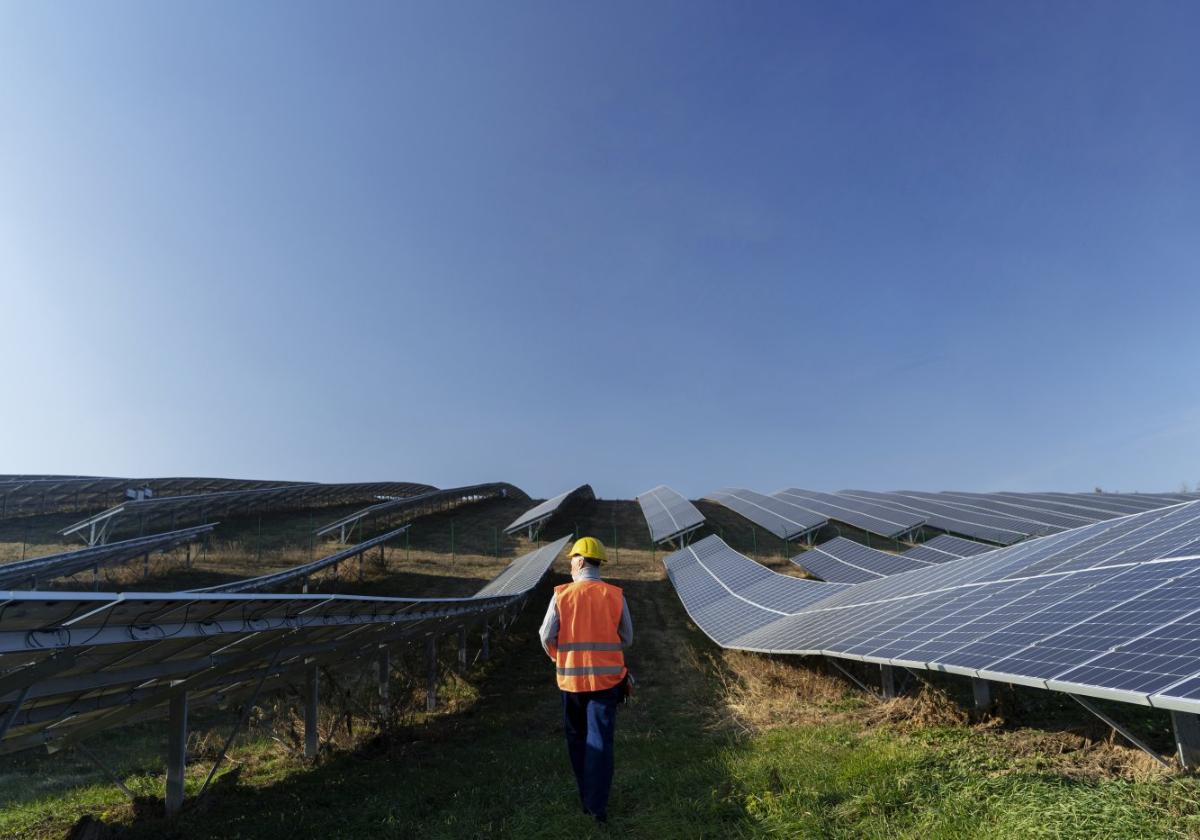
(849, 676)
(1129, 736)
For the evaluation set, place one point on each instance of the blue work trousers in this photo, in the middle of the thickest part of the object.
(589, 720)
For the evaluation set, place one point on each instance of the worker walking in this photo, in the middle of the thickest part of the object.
(587, 626)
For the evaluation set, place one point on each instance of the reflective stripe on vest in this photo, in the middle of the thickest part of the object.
(584, 672)
(589, 656)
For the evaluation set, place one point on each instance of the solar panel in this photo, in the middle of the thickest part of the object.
(782, 518)
(995, 528)
(1052, 520)
(72, 663)
(841, 560)
(1108, 610)
(1016, 504)
(277, 580)
(945, 547)
(148, 511)
(1118, 503)
(668, 514)
(38, 570)
(713, 581)
(419, 505)
(38, 494)
(534, 518)
(872, 518)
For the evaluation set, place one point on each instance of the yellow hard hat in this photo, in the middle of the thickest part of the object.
(588, 547)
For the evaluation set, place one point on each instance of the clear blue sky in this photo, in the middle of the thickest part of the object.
(870, 244)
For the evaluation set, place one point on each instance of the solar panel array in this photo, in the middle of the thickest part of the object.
(533, 519)
(22, 495)
(37, 570)
(945, 547)
(183, 508)
(1050, 520)
(730, 596)
(1109, 610)
(277, 580)
(74, 663)
(996, 528)
(778, 516)
(842, 560)
(668, 514)
(412, 506)
(872, 518)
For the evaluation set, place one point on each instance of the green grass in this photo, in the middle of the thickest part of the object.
(803, 755)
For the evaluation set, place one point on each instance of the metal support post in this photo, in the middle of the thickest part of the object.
(431, 688)
(887, 677)
(1187, 738)
(176, 751)
(462, 648)
(983, 693)
(146, 565)
(14, 708)
(385, 673)
(484, 649)
(311, 696)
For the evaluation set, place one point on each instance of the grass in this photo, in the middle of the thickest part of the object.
(718, 743)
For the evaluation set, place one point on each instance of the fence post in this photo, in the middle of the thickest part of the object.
(311, 696)
(431, 687)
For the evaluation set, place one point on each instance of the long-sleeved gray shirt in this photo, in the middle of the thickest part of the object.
(549, 631)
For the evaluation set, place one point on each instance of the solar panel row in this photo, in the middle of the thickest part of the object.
(38, 570)
(1108, 610)
(36, 494)
(75, 662)
(277, 580)
(175, 509)
(780, 517)
(841, 560)
(872, 518)
(1000, 529)
(945, 547)
(668, 514)
(419, 505)
(533, 519)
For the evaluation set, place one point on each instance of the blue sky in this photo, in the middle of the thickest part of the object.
(829, 245)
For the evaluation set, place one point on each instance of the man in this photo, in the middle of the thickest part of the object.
(586, 628)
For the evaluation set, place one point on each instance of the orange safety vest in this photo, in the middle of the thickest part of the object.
(588, 655)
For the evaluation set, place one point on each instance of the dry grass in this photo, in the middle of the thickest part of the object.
(762, 693)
